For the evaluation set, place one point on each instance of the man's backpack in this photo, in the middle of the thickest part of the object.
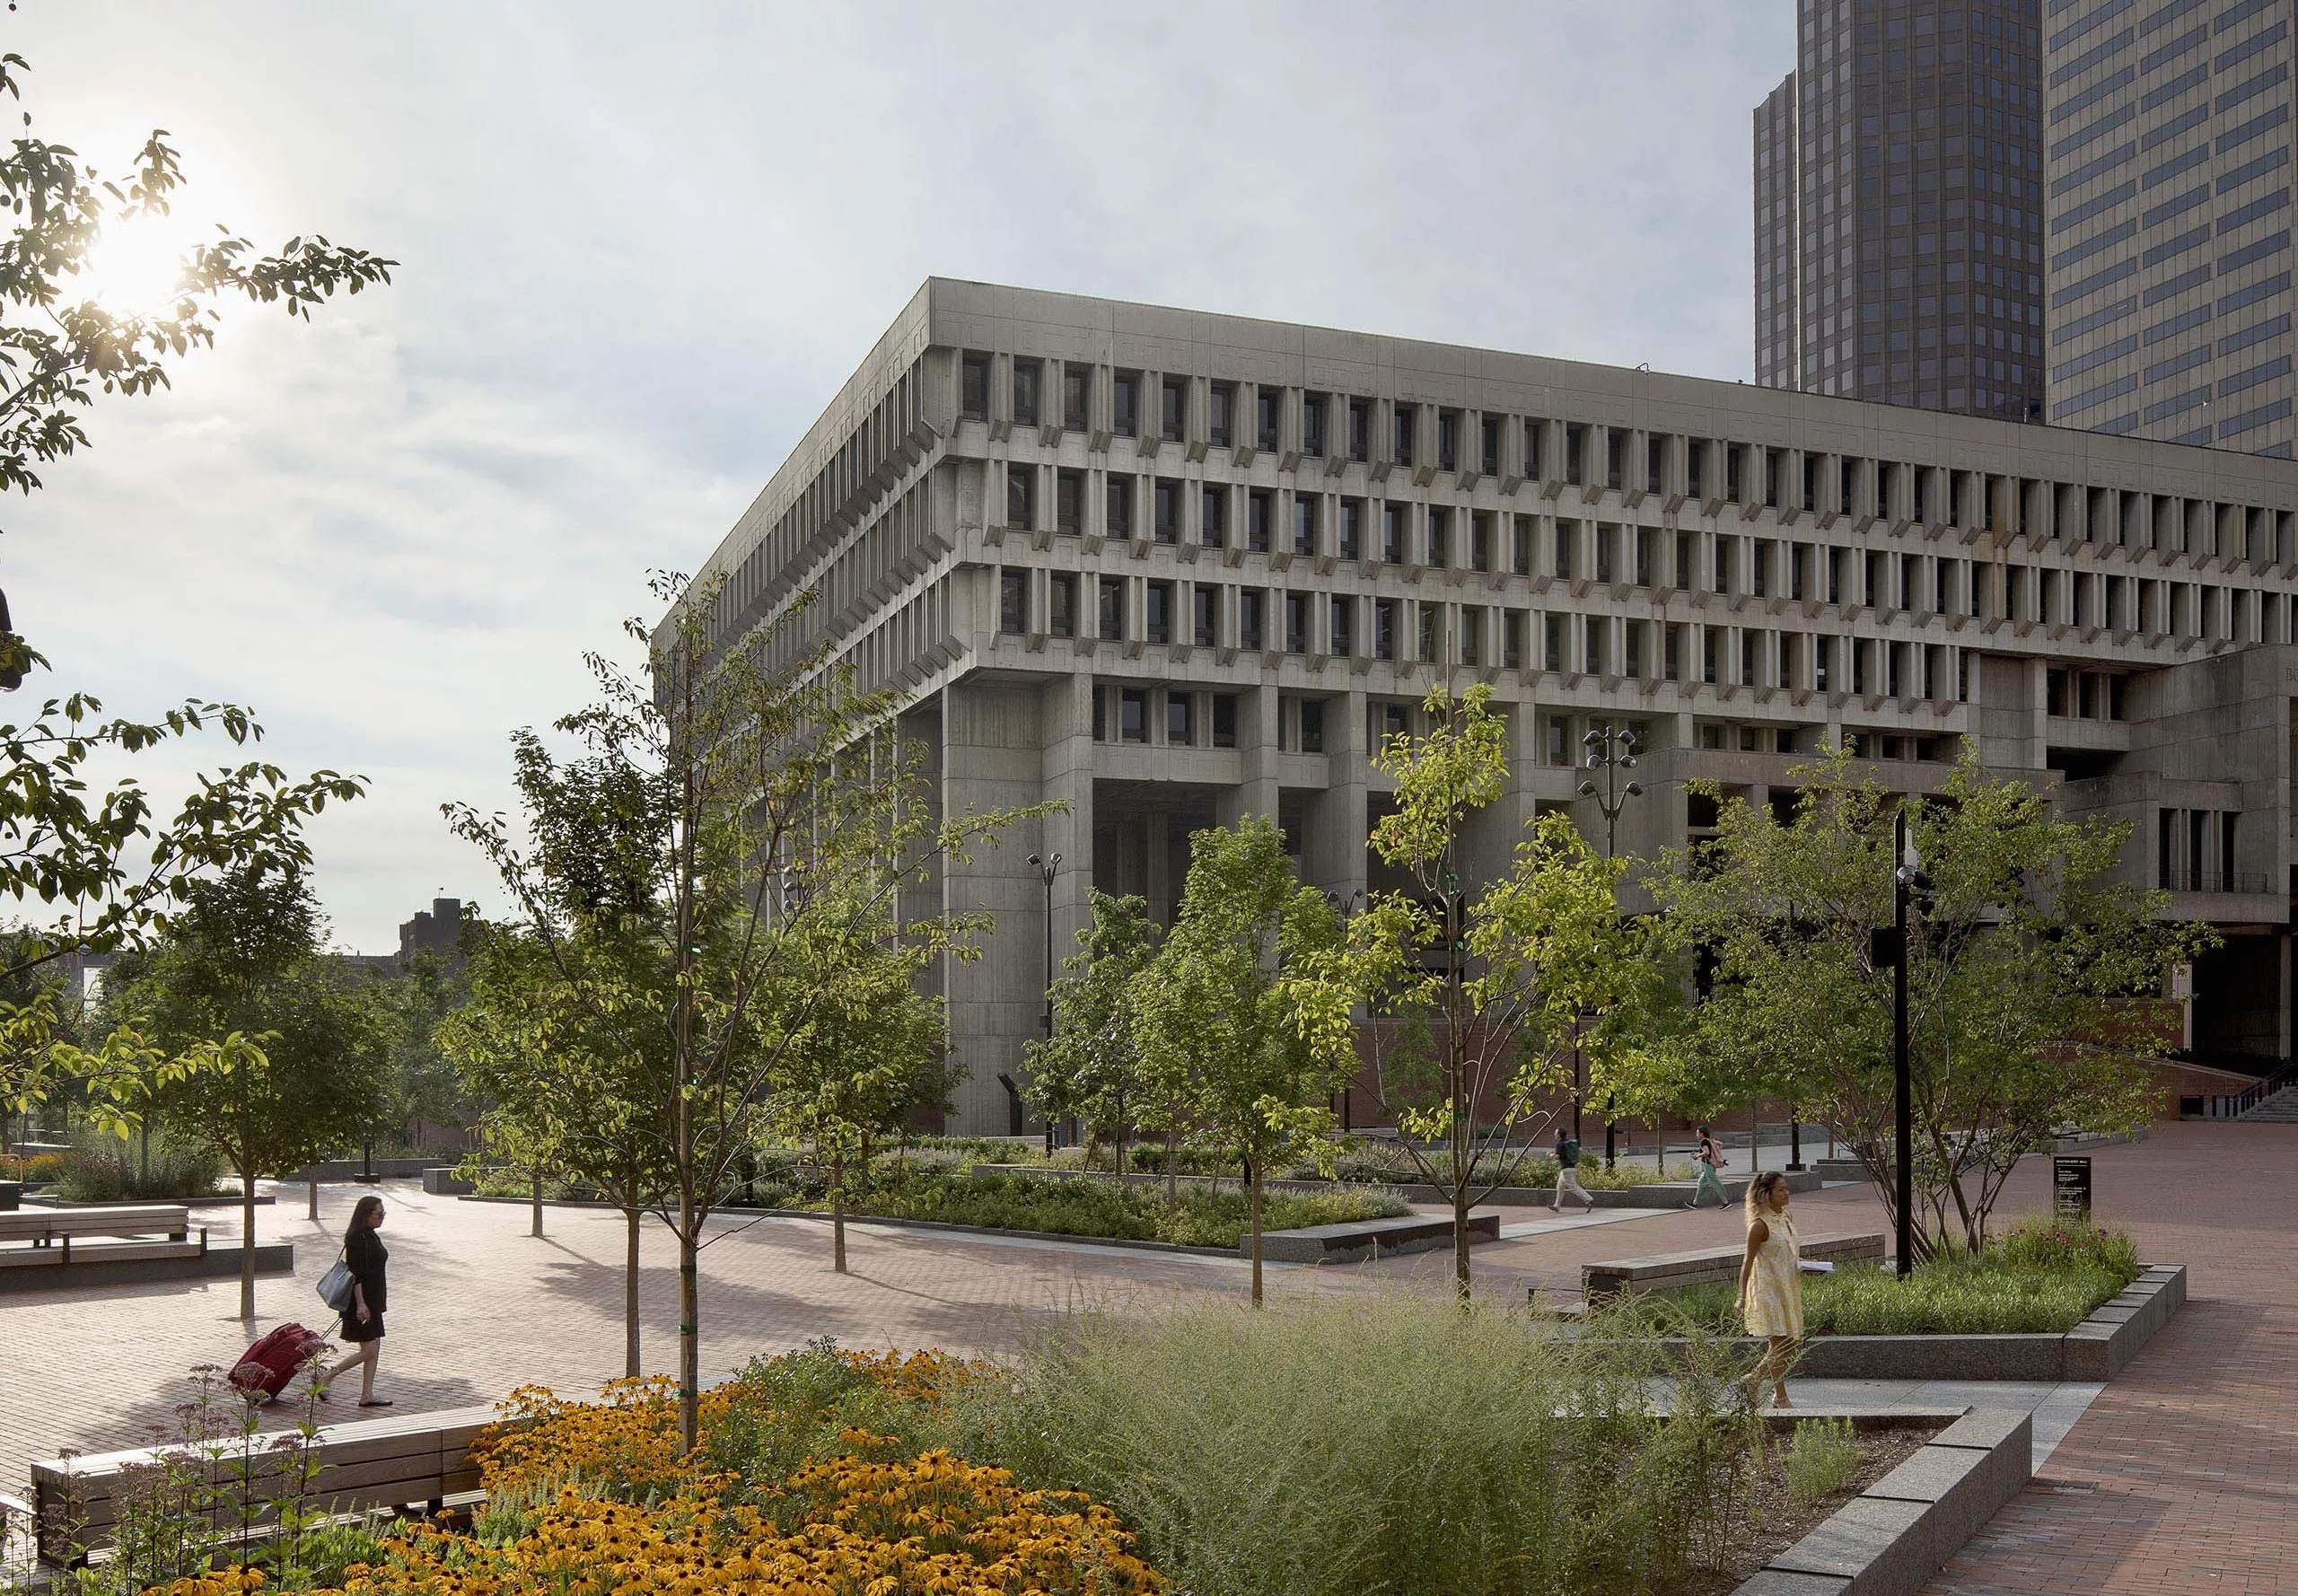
(1567, 1152)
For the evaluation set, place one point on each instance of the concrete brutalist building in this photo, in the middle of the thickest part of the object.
(2168, 173)
(1169, 567)
(1898, 207)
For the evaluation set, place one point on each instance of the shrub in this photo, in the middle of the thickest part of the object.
(40, 1169)
(1399, 1446)
(107, 1170)
(2033, 1281)
(1823, 1459)
(1090, 1207)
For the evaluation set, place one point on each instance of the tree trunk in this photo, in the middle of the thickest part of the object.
(1253, 1165)
(690, 1328)
(1172, 1169)
(313, 1211)
(1660, 1144)
(1460, 1275)
(631, 1294)
(247, 1243)
(534, 1226)
(838, 1214)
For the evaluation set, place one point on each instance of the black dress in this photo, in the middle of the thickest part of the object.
(366, 1255)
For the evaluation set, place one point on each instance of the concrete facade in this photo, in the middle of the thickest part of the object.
(1899, 217)
(2169, 179)
(1170, 567)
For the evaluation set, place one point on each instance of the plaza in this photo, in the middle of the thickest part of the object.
(2181, 1474)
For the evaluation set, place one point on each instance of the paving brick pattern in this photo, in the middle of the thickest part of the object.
(2183, 1476)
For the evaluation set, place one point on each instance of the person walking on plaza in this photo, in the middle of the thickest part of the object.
(1568, 1165)
(1706, 1161)
(362, 1320)
(1771, 1283)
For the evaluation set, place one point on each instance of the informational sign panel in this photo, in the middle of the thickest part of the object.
(2070, 1187)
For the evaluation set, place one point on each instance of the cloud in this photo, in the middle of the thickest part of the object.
(641, 248)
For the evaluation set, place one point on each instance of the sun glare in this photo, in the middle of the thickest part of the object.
(136, 264)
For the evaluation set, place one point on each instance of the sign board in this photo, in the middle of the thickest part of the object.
(2070, 1188)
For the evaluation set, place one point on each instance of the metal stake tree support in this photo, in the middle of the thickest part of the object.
(1611, 749)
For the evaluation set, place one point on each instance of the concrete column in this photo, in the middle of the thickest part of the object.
(1255, 793)
(1338, 816)
(992, 757)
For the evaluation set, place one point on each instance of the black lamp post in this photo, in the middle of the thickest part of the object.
(1611, 749)
(1047, 868)
(1889, 946)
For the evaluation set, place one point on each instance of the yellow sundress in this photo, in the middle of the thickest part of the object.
(1776, 1287)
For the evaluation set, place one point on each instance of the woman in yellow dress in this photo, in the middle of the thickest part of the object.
(1771, 1282)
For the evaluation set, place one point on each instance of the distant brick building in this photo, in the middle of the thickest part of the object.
(438, 930)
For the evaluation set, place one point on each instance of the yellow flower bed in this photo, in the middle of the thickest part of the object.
(618, 1512)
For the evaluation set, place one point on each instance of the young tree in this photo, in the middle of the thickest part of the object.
(1092, 1068)
(1485, 984)
(1240, 1002)
(296, 1045)
(580, 1089)
(2031, 972)
(420, 1081)
(863, 1046)
(732, 807)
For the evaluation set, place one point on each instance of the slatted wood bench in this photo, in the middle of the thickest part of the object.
(44, 1237)
(417, 1461)
(1672, 1271)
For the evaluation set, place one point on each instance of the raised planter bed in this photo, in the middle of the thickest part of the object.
(2096, 1350)
(221, 1199)
(277, 1257)
(1893, 1536)
(1672, 1271)
(1362, 1238)
(446, 1182)
(1663, 1194)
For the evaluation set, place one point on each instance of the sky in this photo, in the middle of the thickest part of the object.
(641, 247)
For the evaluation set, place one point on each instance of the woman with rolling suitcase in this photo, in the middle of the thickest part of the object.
(364, 1254)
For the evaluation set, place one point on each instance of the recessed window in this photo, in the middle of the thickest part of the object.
(1260, 509)
(1351, 528)
(1340, 640)
(1251, 607)
(1224, 720)
(1296, 623)
(1157, 612)
(1439, 536)
(1125, 409)
(1069, 502)
(1312, 725)
(1265, 417)
(1112, 609)
(1392, 533)
(1205, 615)
(1214, 529)
(1220, 414)
(1074, 380)
(1062, 621)
(1021, 496)
(1027, 376)
(1133, 714)
(1012, 601)
(973, 386)
(1173, 409)
(1313, 425)
(1360, 429)
(1408, 421)
(1305, 524)
(1180, 719)
(1120, 506)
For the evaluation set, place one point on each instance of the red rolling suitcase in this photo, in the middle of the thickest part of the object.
(266, 1367)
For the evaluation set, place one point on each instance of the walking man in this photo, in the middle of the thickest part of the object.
(1706, 1162)
(1567, 1162)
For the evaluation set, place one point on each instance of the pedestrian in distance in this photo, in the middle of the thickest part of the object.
(1771, 1283)
(1567, 1164)
(1706, 1161)
(362, 1321)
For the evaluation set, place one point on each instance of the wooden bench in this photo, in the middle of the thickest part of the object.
(125, 1231)
(1672, 1271)
(417, 1461)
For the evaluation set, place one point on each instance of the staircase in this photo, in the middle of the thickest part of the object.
(2281, 1109)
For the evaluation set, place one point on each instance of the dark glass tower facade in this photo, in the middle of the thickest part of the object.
(1898, 224)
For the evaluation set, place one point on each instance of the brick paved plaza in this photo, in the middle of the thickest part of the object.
(2182, 1475)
